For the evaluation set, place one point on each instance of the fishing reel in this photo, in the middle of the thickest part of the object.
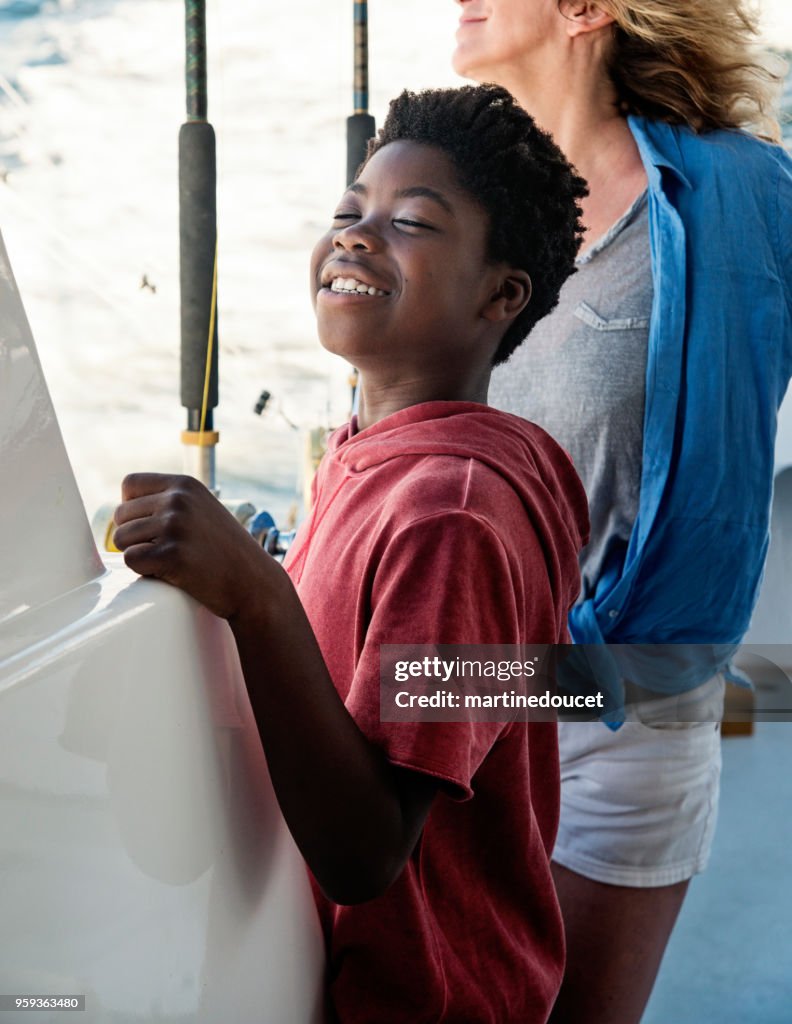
(261, 526)
(274, 541)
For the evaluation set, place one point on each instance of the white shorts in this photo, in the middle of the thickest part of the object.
(639, 805)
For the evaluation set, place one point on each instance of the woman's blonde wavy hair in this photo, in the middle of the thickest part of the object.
(694, 62)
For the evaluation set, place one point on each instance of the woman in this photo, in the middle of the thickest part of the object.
(661, 372)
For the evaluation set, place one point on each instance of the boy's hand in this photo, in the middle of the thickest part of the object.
(173, 528)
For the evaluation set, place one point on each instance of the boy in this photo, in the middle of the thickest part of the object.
(436, 520)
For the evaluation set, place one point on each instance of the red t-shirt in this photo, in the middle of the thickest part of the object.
(448, 523)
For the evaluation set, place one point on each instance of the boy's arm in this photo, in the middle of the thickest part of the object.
(355, 817)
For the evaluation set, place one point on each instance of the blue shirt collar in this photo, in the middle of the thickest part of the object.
(659, 146)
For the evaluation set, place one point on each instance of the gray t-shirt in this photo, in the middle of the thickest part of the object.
(581, 375)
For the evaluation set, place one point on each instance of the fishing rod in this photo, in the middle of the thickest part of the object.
(198, 256)
(360, 126)
(198, 230)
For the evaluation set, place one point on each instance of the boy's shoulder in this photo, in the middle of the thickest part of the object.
(453, 485)
(452, 458)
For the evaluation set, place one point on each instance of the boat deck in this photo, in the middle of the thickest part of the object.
(730, 958)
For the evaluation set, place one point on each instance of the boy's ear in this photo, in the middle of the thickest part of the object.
(511, 298)
(583, 16)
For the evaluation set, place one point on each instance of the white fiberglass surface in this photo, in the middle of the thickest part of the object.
(145, 861)
(46, 546)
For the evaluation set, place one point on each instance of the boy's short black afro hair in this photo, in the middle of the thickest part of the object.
(515, 171)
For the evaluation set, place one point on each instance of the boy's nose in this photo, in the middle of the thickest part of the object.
(356, 236)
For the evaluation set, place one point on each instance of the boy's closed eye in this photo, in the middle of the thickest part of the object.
(408, 222)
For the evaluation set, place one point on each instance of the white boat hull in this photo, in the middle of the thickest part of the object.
(144, 863)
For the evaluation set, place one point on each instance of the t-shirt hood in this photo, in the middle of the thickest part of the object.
(535, 466)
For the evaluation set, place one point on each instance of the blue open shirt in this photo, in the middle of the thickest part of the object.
(719, 360)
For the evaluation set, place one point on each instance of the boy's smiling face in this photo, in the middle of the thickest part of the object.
(401, 284)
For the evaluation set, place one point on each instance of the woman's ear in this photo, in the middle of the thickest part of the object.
(583, 16)
(511, 298)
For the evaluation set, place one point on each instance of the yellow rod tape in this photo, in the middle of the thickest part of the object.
(202, 438)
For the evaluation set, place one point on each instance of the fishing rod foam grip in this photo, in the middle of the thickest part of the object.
(197, 248)
(360, 128)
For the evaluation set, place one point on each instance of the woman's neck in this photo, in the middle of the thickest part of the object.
(574, 99)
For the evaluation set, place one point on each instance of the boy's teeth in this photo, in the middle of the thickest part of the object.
(351, 284)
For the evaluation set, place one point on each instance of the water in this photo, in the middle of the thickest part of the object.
(89, 120)
(91, 99)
